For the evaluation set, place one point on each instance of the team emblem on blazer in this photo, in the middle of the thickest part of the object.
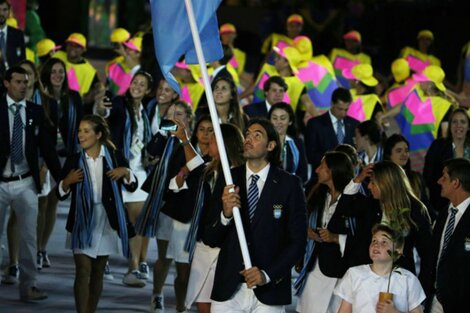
(277, 211)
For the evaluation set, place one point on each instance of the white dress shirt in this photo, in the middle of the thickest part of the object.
(23, 167)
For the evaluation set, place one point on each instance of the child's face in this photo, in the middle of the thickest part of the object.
(379, 247)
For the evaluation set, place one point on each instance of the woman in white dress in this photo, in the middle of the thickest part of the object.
(131, 131)
(327, 234)
(94, 177)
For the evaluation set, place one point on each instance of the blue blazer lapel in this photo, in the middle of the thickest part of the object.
(330, 129)
(5, 130)
(461, 228)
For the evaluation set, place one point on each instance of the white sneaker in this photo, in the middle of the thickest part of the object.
(133, 279)
(144, 270)
(156, 305)
(107, 273)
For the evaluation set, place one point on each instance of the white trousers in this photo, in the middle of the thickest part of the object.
(245, 301)
(21, 197)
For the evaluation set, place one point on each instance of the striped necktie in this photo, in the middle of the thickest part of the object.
(17, 137)
(448, 232)
(447, 235)
(339, 131)
(253, 196)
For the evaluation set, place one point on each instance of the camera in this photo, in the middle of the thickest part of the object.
(107, 101)
(168, 125)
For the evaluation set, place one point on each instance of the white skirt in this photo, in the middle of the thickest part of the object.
(201, 276)
(176, 243)
(138, 195)
(318, 296)
(175, 233)
(105, 240)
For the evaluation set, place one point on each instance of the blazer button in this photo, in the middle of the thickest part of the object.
(110, 199)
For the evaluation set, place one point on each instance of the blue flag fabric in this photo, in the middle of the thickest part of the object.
(172, 34)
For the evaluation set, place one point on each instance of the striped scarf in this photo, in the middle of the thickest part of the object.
(83, 227)
(128, 133)
(295, 154)
(120, 211)
(190, 243)
(299, 284)
(146, 224)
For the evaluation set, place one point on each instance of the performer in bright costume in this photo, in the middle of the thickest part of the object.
(365, 102)
(420, 58)
(285, 65)
(294, 25)
(80, 73)
(228, 33)
(349, 56)
(192, 88)
(317, 74)
(120, 73)
(423, 114)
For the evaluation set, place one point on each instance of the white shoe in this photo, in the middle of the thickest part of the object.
(107, 273)
(133, 279)
(144, 270)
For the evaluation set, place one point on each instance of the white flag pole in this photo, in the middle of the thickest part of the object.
(218, 133)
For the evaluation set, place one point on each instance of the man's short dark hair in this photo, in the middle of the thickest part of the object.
(459, 168)
(276, 80)
(274, 156)
(14, 69)
(341, 94)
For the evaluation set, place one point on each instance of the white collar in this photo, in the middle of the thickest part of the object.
(263, 174)
(10, 101)
(100, 155)
(334, 119)
(462, 206)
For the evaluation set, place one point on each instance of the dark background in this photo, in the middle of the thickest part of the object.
(386, 26)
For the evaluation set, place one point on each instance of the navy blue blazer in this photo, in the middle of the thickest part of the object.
(302, 168)
(107, 197)
(320, 136)
(16, 51)
(37, 140)
(439, 151)
(453, 276)
(276, 238)
(61, 122)
(117, 121)
(257, 109)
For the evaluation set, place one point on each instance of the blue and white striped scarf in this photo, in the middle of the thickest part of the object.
(84, 218)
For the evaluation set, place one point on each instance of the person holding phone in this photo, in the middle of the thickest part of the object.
(130, 128)
(164, 218)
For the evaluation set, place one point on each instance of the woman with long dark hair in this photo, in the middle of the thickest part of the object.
(397, 150)
(327, 233)
(293, 157)
(206, 185)
(227, 104)
(131, 131)
(456, 145)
